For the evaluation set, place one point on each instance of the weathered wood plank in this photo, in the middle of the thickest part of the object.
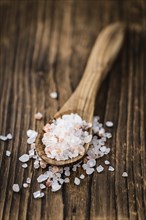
(44, 47)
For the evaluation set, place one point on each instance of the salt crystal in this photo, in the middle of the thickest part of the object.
(106, 162)
(9, 136)
(3, 138)
(16, 188)
(107, 150)
(55, 186)
(108, 135)
(42, 177)
(38, 116)
(66, 180)
(91, 162)
(77, 181)
(42, 186)
(24, 158)
(53, 95)
(24, 165)
(82, 176)
(125, 174)
(109, 124)
(89, 171)
(38, 194)
(8, 153)
(32, 146)
(36, 164)
(103, 149)
(25, 185)
(110, 168)
(28, 180)
(100, 169)
(67, 173)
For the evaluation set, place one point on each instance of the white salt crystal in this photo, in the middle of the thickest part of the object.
(106, 162)
(55, 186)
(91, 162)
(77, 181)
(108, 135)
(53, 95)
(42, 177)
(28, 180)
(66, 180)
(67, 173)
(16, 188)
(3, 138)
(82, 176)
(38, 116)
(109, 124)
(89, 171)
(107, 150)
(36, 164)
(38, 194)
(25, 185)
(110, 168)
(24, 158)
(8, 153)
(24, 165)
(103, 149)
(100, 169)
(125, 174)
(42, 186)
(9, 136)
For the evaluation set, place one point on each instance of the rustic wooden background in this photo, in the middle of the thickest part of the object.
(45, 46)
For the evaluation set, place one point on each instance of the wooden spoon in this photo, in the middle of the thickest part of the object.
(82, 100)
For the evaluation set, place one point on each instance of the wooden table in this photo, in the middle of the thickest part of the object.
(44, 47)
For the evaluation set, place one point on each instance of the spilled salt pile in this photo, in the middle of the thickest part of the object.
(66, 136)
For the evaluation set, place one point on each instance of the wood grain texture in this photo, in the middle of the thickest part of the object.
(45, 46)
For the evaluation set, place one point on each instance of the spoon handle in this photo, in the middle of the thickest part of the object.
(101, 58)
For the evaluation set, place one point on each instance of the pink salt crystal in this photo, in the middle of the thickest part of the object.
(48, 182)
(55, 169)
(43, 164)
(38, 116)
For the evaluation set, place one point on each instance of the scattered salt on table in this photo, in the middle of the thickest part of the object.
(3, 138)
(42, 186)
(38, 194)
(25, 185)
(28, 180)
(110, 168)
(99, 169)
(77, 181)
(16, 188)
(53, 95)
(24, 158)
(9, 136)
(106, 162)
(125, 174)
(24, 165)
(8, 153)
(109, 124)
(38, 116)
(82, 176)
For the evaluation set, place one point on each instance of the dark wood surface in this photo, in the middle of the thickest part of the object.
(45, 46)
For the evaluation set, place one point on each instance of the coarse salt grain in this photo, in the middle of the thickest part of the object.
(24, 158)
(25, 185)
(125, 174)
(99, 169)
(82, 176)
(109, 124)
(77, 181)
(53, 95)
(16, 188)
(66, 180)
(110, 168)
(28, 180)
(8, 153)
(106, 162)
(3, 138)
(24, 165)
(38, 194)
(42, 186)
(38, 116)
(89, 171)
(9, 136)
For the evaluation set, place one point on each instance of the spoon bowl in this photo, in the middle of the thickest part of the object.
(82, 100)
